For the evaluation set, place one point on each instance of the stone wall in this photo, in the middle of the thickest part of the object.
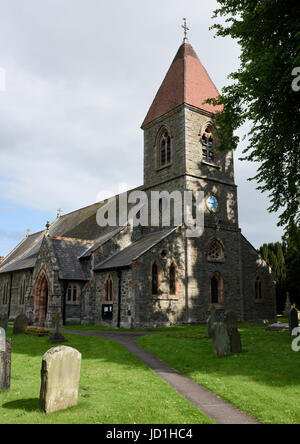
(252, 266)
(16, 279)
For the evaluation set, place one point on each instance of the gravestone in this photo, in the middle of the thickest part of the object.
(5, 366)
(3, 321)
(57, 336)
(220, 339)
(60, 378)
(287, 306)
(231, 323)
(210, 321)
(2, 340)
(20, 324)
(293, 319)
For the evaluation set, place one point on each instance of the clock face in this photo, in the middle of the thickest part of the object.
(212, 203)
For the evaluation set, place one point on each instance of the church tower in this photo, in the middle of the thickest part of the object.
(180, 154)
(179, 141)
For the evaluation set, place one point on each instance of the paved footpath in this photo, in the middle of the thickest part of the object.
(214, 407)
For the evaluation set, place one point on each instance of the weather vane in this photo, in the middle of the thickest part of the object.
(186, 29)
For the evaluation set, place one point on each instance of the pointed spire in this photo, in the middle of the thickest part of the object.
(187, 81)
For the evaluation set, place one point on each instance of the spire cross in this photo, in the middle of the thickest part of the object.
(186, 29)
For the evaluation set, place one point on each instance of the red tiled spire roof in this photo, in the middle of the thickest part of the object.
(187, 81)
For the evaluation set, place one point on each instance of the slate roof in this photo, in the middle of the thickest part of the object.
(24, 255)
(187, 81)
(127, 256)
(79, 224)
(67, 252)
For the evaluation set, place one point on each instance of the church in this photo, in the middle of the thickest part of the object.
(137, 276)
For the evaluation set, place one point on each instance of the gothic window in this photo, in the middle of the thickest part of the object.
(165, 154)
(216, 289)
(172, 280)
(73, 294)
(5, 293)
(258, 289)
(23, 289)
(207, 141)
(155, 279)
(108, 287)
(215, 250)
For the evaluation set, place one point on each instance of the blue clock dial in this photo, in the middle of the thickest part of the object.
(212, 203)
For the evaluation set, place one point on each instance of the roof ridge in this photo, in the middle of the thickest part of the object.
(71, 239)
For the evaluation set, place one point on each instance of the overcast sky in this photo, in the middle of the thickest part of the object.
(80, 78)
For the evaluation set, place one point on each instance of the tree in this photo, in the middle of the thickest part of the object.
(268, 33)
(274, 256)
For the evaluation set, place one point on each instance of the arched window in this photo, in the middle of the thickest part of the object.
(108, 286)
(216, 289)
(258, 289)
(172, 280)
(207, 141)
(164, 149)
(215, 250)
(23, 288)
(155, 279)
(5, 291)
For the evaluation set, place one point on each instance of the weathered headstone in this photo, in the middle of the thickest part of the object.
(220, 339)
(231, 323)
(287, 306)
(20, 324)
(293, 319)
(60, 378)
(5, 366)
(3, 321)
(2, 340)
(210, 321)
(57, 337)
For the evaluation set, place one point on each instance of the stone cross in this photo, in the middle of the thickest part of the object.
(57, 336)
(60, 377)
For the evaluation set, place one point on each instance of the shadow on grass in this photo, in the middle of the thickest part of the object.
(29, 405)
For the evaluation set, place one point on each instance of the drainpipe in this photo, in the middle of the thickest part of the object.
(10, 295)
(119, 298)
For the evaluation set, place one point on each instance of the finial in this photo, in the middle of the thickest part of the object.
(59, 211)
(28, 231)
(186, 29)
(48, 225)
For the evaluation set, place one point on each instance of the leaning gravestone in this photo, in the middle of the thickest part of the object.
(220, 339)
(231, 322)
(5, 360)
(20, 324)
(60, 378)
(3, 322)
(293, 319)
(210, 321)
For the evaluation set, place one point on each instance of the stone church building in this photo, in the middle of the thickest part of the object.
(149, 276)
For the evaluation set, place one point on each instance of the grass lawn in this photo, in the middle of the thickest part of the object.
(263, 381)
(115, 388)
